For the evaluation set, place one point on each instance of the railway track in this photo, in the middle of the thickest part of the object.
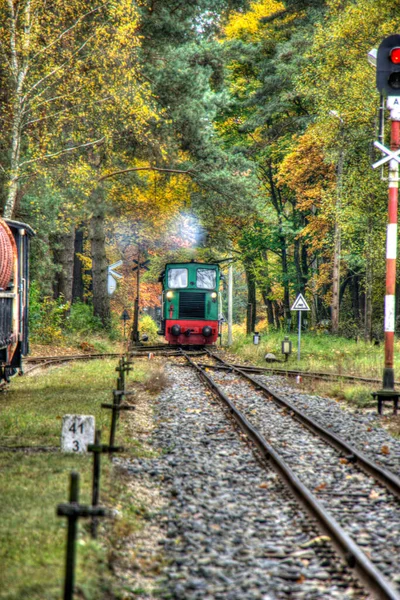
(37, 362)
(307, 374)
(168, 350)
(353, 500)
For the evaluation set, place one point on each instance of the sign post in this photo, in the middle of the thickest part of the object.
(137, 268)
(125, 317)
(300, 305)
(388, 83)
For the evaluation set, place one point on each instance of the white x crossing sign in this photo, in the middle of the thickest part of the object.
(111, 275)
(390, 155)
(300, 303)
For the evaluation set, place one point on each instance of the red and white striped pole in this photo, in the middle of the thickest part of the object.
(388, 392)
(391, 255)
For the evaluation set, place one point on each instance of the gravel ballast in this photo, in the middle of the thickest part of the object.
(232, 531)
(360, 429)
(365, 509)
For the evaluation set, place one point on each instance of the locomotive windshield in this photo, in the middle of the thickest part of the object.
(177, 278)
(206, 279)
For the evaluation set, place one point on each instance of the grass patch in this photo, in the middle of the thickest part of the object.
(358, 396)
(319, 352)
(32, 537)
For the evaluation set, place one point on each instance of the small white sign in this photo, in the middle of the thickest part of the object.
(77, 433)
(389, 313)
(113, 272)
(393, 104)
(111, 284)
(112, 275)
(300, 303)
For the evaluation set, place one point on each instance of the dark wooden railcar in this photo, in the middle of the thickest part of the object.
(14, 298)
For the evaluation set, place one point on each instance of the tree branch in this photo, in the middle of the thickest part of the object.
(188, 172)
(66, 110)
(69, 29)
(27, 162)
(64, 64)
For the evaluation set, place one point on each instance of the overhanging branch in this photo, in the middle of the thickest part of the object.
(122, 171)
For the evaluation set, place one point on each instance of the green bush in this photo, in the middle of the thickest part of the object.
(46, 317)
(82, 320)
(149, 327)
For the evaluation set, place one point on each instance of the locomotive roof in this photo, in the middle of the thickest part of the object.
(19, 225)
(192, 262)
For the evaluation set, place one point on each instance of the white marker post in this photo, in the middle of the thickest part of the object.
(77, 433)
(300, 305)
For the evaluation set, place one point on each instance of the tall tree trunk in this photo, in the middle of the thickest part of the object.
(336, 279)
(276, 315)
(355, 295)
(14, 163)
(299, 266)
(278, 205)
(64, 257)
(337, 241)
(101, 300)
(19, 63)
(77, 284)
(285, 272)
(266, 291)
(268, 303)
(251, 299)
(368, 300)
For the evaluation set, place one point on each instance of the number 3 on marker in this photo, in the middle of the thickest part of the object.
(75, 446)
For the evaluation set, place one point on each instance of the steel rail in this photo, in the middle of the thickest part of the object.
(46, 361)
(63, 359)
(310, 374)
(34, 359)
(347, 548)
(386, 478)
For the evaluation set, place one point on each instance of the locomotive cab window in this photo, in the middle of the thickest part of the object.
(177, 278)
(206, 279)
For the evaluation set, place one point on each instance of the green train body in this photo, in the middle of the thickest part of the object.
(190, 294)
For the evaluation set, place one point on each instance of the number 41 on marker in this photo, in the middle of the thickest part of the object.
(75, 428)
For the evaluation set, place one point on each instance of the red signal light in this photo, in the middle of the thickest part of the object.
(395, 56)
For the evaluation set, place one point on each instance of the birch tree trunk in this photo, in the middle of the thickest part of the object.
(19, 67)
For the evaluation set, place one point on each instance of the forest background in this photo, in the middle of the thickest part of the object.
(167, 130)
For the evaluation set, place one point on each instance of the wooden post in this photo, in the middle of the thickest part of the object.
(115, 408)
(73, 511)
(97, 448)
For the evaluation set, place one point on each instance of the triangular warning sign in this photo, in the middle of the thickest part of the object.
(300, 303)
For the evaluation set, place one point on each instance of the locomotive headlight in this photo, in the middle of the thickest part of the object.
(170, 295)
(214, 295)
